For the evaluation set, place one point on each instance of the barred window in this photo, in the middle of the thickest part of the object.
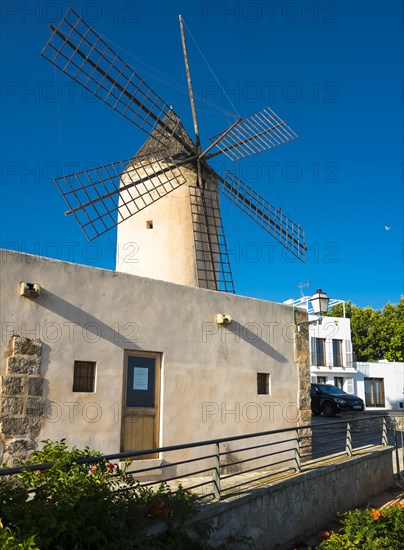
(262, 383)
(84, 376)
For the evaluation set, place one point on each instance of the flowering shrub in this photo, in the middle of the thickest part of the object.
(73, 506)
(370, 529)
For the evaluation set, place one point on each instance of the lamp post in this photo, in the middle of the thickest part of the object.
(319, 302)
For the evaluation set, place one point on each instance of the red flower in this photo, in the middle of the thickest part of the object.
(110, 467)
(376, 514)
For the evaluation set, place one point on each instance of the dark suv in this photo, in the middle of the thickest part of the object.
(329, 400)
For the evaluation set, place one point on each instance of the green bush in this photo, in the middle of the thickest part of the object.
(8, 540)
(370, 529)
(91, 506)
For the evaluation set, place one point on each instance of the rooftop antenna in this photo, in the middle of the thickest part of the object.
(306, 284)
(104, 197)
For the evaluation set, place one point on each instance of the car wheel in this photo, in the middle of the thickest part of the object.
(316, 412)
(329, 409)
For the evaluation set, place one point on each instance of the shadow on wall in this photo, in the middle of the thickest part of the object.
(255, 340)
(92, 328)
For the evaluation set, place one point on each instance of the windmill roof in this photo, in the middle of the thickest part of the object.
(167, 144)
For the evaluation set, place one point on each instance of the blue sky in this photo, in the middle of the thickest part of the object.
(332, 70)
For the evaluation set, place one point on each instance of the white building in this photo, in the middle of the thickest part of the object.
(381, 384)
(332, 361)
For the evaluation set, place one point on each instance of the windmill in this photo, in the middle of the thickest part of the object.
(166, 198)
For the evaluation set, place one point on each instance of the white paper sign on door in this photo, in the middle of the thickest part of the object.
(140, 378)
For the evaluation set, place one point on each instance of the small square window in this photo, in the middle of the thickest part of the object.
(84, 376)
(149, 224)
(262, 383)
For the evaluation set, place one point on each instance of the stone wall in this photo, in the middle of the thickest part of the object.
(302, 358)
(22, 404)
(287, 511)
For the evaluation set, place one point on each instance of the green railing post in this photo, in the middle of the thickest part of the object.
(216, 473)
(297, 452)
(348, 440)
(385, 440)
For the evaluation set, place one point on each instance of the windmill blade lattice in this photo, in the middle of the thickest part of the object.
(279, 226)
(253, 135)
(77, 50)
(212, 259)
(98, 196)
(102, 198)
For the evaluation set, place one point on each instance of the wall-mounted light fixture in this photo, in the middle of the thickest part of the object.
(30, 290)
(319, 302)
(223, 319)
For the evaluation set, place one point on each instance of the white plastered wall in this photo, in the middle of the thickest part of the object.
(208, 371)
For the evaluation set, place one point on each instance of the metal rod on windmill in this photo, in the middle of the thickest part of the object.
(220, 137)
(192, 100)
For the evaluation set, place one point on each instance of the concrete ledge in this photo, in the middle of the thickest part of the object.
(151, 475)
(279, 514)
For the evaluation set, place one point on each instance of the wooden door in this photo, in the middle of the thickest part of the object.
(140, 425)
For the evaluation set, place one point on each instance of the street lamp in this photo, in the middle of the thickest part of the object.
(319, 302)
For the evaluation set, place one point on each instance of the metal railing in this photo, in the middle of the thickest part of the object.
(220, 468)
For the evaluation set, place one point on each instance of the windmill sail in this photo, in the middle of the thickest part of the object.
(103, 197)
(212, 259)
(279, 226)
(77, 50)
(253, 135)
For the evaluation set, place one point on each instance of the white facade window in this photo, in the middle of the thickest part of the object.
(339, 382)
(374, 392)
(349, 386)
(337, 353)
(318, 351)
(348, 353)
